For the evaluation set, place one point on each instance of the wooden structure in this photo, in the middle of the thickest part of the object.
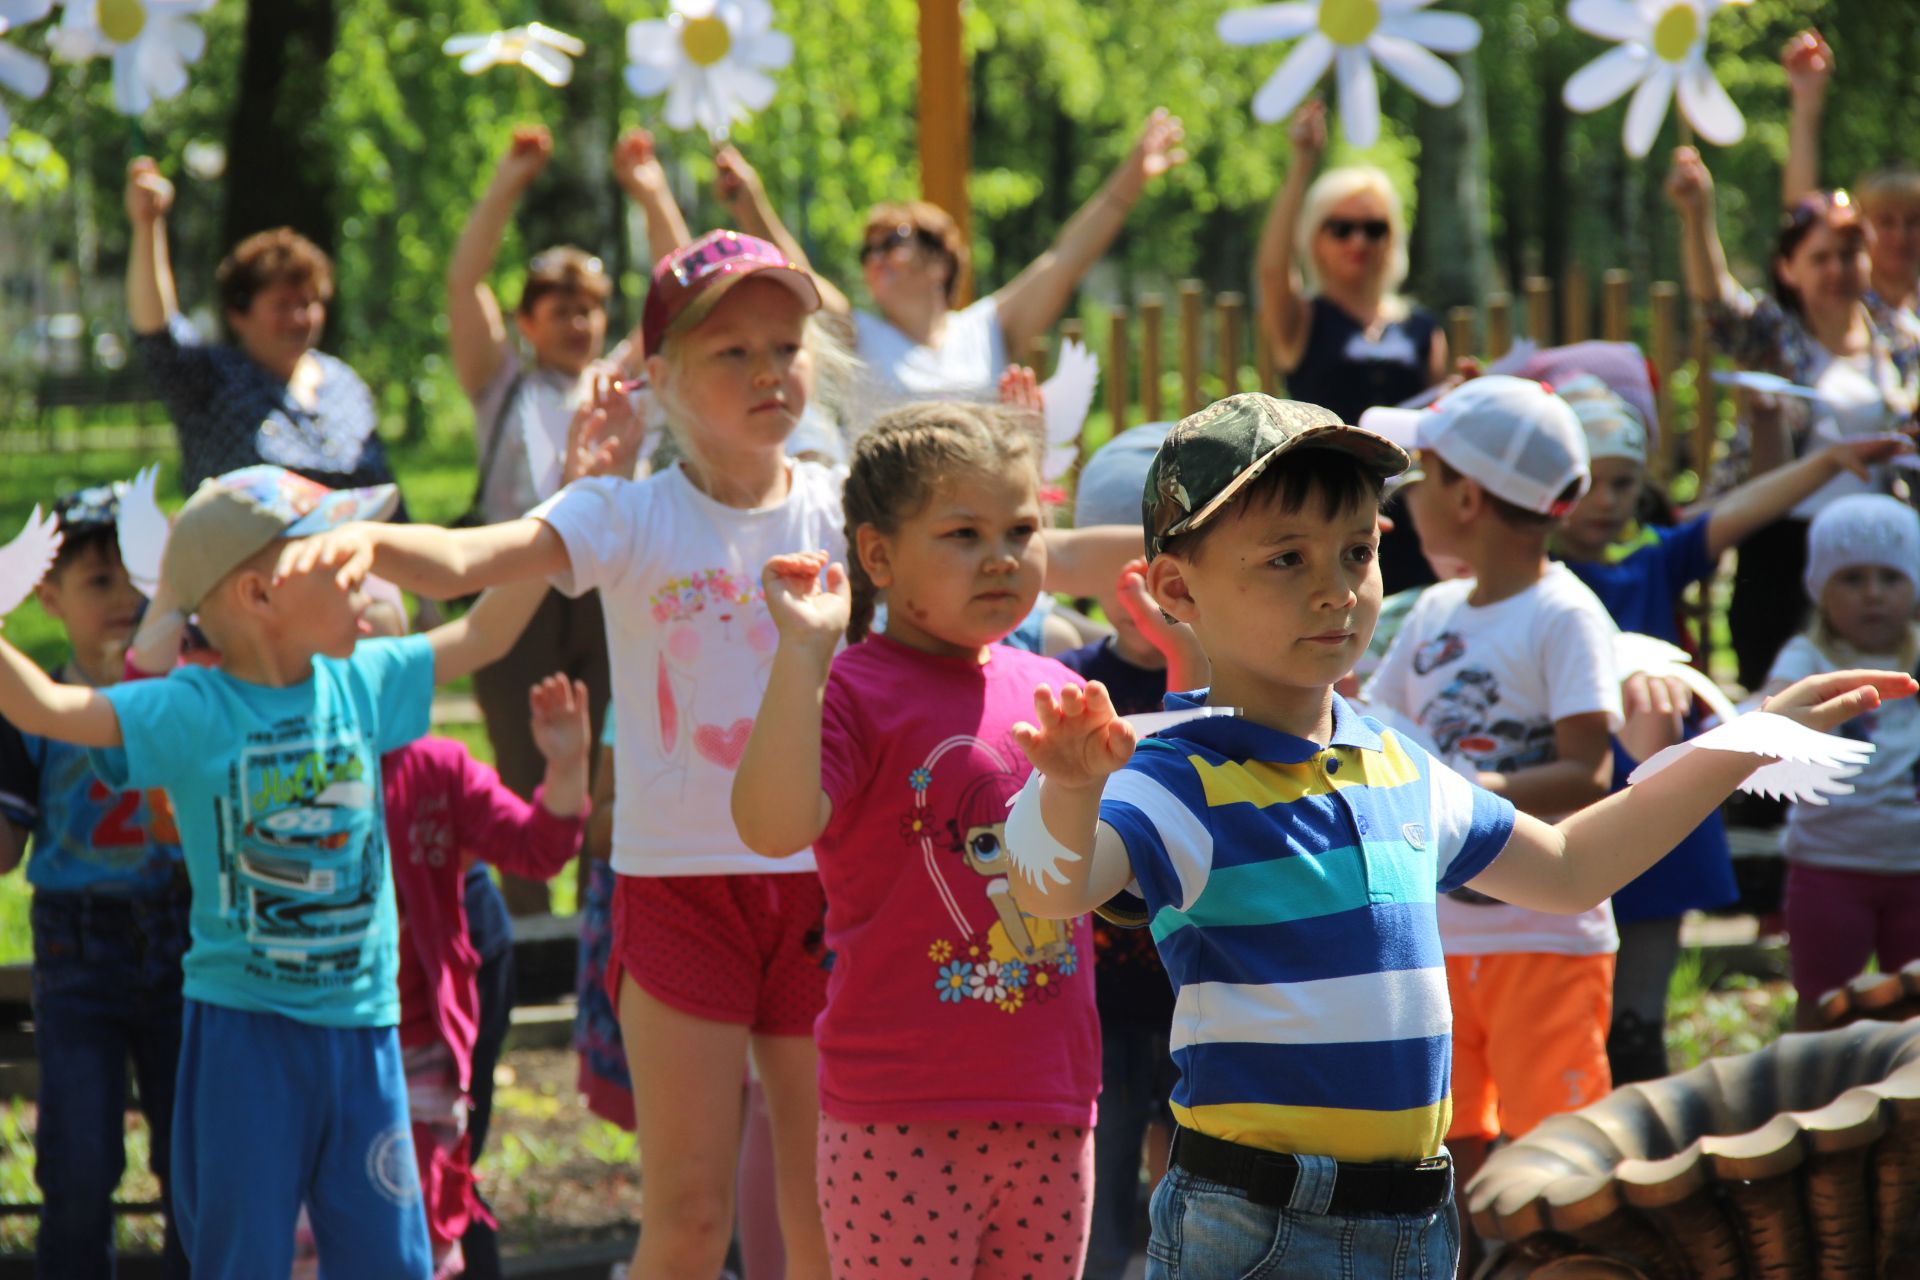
(946, 152)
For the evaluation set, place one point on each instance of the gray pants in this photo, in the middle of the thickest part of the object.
(1636, 1043)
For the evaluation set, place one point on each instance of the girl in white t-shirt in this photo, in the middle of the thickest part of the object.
(715, 948)
(1853, 865)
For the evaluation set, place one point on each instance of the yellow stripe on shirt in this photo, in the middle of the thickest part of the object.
(1360, 1137)
(1262, 783)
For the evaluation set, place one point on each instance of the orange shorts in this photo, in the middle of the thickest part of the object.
(1529, 1039)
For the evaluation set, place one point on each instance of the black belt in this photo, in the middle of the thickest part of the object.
(1267, 1177)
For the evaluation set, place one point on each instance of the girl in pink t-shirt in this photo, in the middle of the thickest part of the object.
(959, 1049)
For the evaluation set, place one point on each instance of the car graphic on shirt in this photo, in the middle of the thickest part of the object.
(307, 876)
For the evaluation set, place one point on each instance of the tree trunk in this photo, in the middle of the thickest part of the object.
(1453, 259)
(279, 156)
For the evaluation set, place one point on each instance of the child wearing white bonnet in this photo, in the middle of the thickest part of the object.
(1853, 866)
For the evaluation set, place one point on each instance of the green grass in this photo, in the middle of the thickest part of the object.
(1711, 1014)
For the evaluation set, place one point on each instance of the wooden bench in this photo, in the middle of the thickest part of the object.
(92, 389)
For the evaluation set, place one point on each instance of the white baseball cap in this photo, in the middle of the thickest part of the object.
(1519, 440)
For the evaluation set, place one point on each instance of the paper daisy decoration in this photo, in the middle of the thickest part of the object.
(1662, 48)
(710, 57)
(20, 71)
(151, 43)
(1350, 36)
(547, 53)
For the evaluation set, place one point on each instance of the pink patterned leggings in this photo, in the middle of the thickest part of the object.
(985, 1200)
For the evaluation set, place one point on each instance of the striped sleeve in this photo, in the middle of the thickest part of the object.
(1470, 825)
(1156, 807)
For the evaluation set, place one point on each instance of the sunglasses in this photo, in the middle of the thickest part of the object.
(1374, 229)
(900, 237)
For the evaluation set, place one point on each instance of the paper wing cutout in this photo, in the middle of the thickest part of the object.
(1066, 399)
(142, 532)
(1771, 383)
(540, 49)
(1808, 765)
(25, 560)
(1649, 655)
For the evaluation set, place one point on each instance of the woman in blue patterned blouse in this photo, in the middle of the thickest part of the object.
(270, 395)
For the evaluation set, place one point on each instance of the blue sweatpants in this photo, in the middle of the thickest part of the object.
(270, 1113)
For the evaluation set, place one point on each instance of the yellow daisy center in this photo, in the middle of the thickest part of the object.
(1676, 31)
(706, 40)
(122, 21)
(1349, 21)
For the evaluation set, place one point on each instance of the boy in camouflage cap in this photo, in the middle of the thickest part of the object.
(1290, 857)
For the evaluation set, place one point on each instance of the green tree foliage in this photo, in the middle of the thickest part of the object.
(1059, 88)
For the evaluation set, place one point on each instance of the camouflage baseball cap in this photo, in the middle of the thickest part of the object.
(1209, 457)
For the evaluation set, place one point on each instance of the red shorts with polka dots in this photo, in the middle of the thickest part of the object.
(742, 949)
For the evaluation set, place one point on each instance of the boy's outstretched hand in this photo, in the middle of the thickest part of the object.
(561, 728)
(806, 612)
(1078, 740)
(347, 550)
(1825, 702)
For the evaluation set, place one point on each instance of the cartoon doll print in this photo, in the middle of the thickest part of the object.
(978, 833)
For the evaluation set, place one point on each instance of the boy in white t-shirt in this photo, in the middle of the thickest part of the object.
(1511, 674)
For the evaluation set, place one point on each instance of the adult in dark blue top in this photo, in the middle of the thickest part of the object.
(1331, 259)
(1638, 574)
(269, 396)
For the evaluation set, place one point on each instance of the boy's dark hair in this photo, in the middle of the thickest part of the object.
(1517, 516)
(268, 258)
(89, 520)
(1338, 478)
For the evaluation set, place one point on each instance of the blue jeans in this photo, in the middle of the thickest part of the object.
(106, 991)
(1206, 1231)
(1136, 1080)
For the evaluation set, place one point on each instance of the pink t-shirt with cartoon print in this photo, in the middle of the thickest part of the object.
(946, 1001)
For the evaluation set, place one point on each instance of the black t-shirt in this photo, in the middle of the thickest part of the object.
(1129, 982)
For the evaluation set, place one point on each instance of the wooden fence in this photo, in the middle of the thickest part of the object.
(1217, 349)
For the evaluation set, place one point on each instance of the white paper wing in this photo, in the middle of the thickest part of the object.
(1148, 722)
(1808, 765)
(1771, 383)
(1649, 655)
(1068, 394)
(25, 560)
(572, 46)
(142, 531)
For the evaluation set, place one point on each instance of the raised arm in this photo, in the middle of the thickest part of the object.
(1032, 301)
(1284, 312)
(1690, 187)
(1075, 743)
(636, 167)
(488, 630)
(779, 805)
(1586, 858)
(533, 840)
(151, 299)
(745, 196)
(1761, 501)
(1084, 562)
(476, 331)
(33, 702)
(1809, 64)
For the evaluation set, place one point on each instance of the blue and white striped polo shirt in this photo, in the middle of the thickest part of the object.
(1290, 889)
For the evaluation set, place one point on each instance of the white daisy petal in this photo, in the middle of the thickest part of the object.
(1359, 96)
(752, 88)
(1649, 108)
(6, 121)
(572, 46)
(484, 58)
(18, 13)
(460, 46)
(189, 40)
(1426, 75)
(1611, 19)
(1607, 77)
(652, 41)
(1268, 22)
(130, 95)
(769, 51)
(550, 65)
(680, 102)
(1402, 6)
(754, 15)
(1440, 32)
(646, 81)
(22, 73)
(1293, 80)
(1707, 106)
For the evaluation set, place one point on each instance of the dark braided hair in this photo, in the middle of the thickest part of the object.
(899, 463)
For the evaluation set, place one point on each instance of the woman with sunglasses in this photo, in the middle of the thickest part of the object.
(561, 323)
(914, 260)
(1816, 329)
(1332, 257)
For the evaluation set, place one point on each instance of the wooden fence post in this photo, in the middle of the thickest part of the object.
(1665, 351)
(1540, 310)
(1228, 308)
(1152, 314)
(1706, 420)
(1115, 369)
(1190, 339)
(1576, 307)
(1263, 359)
(1499, 325)
(1037, 355)
(1460, 332)
(1616, 305)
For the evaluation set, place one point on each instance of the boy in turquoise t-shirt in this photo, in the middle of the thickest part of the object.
(290, 1087)
(109, 919)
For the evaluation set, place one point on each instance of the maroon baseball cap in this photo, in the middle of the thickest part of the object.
(691, 280)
